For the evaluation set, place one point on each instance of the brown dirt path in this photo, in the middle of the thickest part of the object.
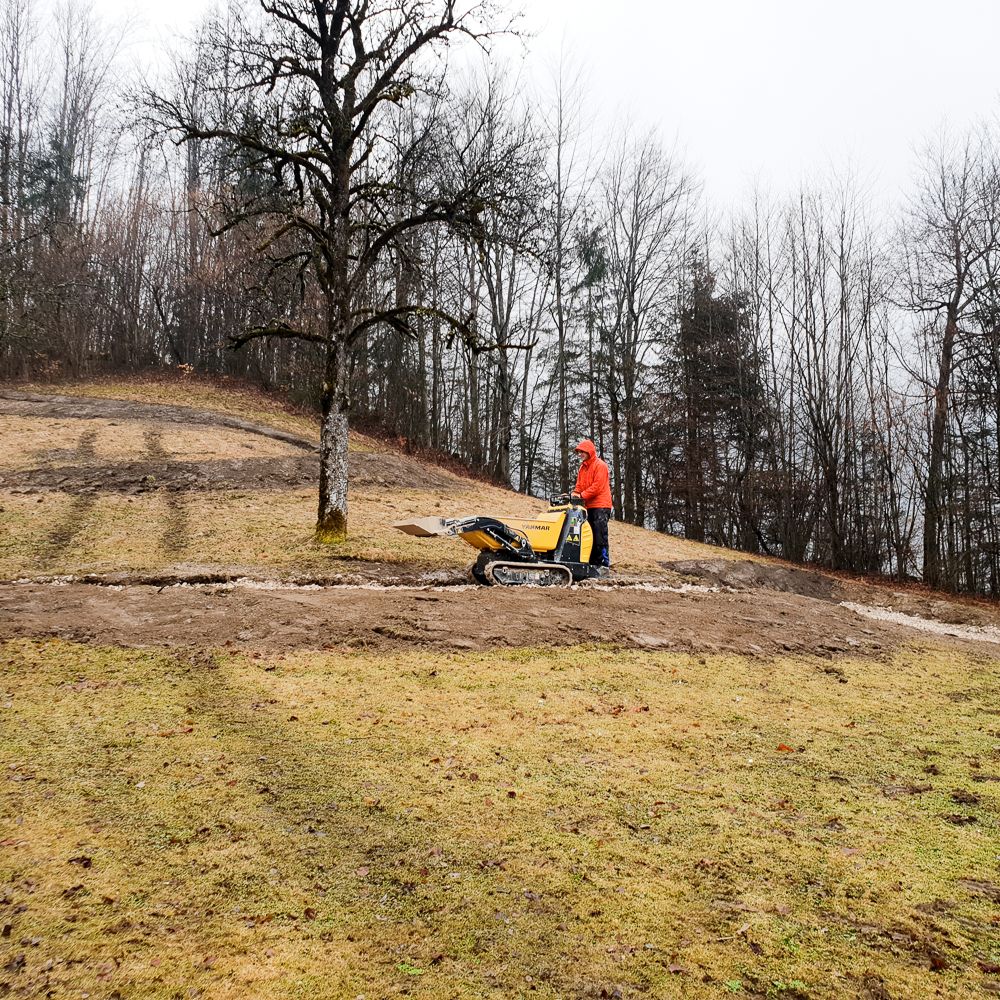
(453, 618)
(21, 404)
(382, 469)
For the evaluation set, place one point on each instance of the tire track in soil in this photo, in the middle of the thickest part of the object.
(379, 469)
(176, 526)
(80, 507)
(95, 407)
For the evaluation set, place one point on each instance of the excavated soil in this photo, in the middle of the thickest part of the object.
(450, 618)
(26, 404)
(175, 476)
(742, 574)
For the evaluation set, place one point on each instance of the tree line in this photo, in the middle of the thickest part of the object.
(331, 199)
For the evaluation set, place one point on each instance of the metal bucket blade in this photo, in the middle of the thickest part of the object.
(423, 527)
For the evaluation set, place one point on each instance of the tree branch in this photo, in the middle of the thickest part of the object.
(398, 319)
(280, 330)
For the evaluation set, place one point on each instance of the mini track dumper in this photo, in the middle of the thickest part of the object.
(551, 549)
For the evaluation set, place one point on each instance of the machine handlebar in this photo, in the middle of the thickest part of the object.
(564, 499)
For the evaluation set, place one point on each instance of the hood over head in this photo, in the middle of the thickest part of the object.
(588, 450)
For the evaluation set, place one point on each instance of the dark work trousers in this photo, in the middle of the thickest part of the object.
(600, 554)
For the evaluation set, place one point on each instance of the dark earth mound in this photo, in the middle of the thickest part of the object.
(742, 574)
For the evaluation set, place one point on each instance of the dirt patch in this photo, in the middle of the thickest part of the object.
(990, 890)
(741, 574)
(153, 438)
(152, 474)
(977, 633)
(921, 603)
(446, 619)
(929, 611)
(85, 450)
(175, 530)
(357, 573)
(400, 471)
(79, 510)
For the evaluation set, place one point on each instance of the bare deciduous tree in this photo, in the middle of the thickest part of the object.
(647, 205)
(314, 79)
(952, 231)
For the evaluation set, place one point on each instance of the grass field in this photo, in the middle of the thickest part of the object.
(590, 823)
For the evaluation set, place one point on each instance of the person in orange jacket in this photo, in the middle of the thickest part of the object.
(593, 486)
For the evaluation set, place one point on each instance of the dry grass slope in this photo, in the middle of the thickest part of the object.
(53, 530)
(528, 824)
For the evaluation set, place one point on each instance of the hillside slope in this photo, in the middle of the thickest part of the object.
(711, 778)
(99, 486)
(178, 478)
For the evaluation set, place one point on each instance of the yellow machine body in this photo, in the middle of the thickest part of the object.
(543, 533)
(549, 549)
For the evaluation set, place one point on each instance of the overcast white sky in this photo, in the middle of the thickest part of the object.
(769, 90)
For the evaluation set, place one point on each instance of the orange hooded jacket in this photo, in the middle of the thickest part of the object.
(593, 482)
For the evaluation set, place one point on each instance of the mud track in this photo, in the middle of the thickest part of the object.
(159, 471)
(177, 476)
(444, 619)
(27, 404)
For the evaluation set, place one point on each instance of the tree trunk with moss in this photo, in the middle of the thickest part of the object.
(331, 523)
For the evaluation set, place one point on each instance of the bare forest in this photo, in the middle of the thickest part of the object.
(374, 213)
